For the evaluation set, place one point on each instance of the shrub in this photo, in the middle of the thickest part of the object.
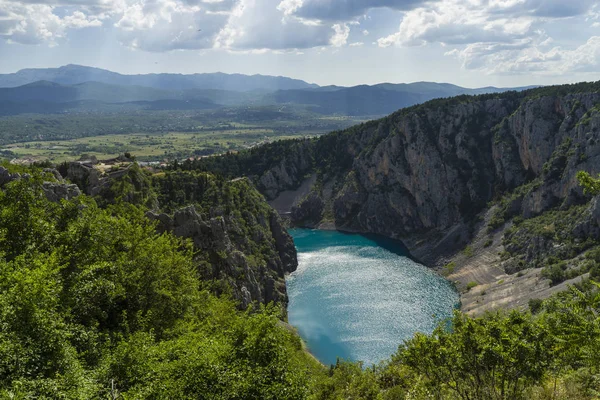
(471, 285)
(449, 268)
(595, 273)
(555, 273)
(468, 251)
(593, 254)
(535, 305)
(496, 222)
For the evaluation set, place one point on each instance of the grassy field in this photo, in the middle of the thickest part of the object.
(145, 146)
(156, 135)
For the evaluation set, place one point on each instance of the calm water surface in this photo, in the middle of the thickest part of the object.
(357, 299)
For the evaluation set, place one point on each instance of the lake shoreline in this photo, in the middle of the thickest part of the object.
(342, 309)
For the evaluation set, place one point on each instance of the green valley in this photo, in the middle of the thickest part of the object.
(156, 135)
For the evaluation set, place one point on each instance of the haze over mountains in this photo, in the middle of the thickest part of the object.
(75, 88)
(73, 74)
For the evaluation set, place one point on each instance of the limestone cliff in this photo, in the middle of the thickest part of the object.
(242, 246)
(428, 175)
(231, 260)
(427, 171)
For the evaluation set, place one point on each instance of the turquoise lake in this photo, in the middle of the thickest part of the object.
(358, 298)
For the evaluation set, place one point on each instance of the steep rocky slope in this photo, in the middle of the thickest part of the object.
(240, 239)
(427, 174)
(240, 242)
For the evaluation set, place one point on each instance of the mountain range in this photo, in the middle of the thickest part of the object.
(74, 74)
(76, 88)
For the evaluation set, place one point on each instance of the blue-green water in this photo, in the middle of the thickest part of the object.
(355, 299)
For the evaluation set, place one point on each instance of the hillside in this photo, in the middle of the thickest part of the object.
(58, 93)
(241, 245)
(50, 97)
(358, 100)
(95, 297)
(428, 175)
(101, 301)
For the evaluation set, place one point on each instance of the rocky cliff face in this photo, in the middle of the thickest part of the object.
(230, 259)
(424, 173)
(54, 186)
(240, 241)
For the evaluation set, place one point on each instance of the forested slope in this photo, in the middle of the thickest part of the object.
(242, 246)
(96, 302)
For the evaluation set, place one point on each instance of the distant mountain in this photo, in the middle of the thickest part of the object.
(49, 97)
(58, 93)
(357, 100)
(74, 74)
(33, 107)
(362, 100)
(380, 99)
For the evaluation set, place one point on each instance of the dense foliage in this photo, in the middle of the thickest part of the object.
(94, 299)
(94, 303)
(247, 218)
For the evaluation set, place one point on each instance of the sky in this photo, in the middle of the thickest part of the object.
(472, 43)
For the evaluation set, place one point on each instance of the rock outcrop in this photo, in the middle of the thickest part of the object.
(239, 240)
(7, 177)
(217, 240)
(55, 189)
(84, 176)
(426, 172)
(58, 191)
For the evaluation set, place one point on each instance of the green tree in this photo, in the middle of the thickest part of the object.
(26, 218)
(590, 185)
(495, 357)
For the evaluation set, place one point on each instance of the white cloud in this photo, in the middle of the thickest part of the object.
(161, 25)
(585, 58)
(289, 6)
(344, 10)
(340, 38)
(37, 23)
(265, 24)
(457, 22)
(530, 57)
(79, 20)
(492, 36)
(155, 25)
(243, 25)
(497, 36)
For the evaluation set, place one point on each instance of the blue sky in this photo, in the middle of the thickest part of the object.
(472, 43)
